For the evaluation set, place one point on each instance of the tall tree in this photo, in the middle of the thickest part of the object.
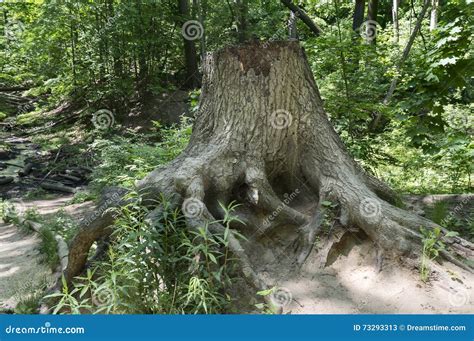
(434, 14)
(372, 12)
(242, 13)
(358, 16)
(396, 29)
(190, 56)
(406, 52)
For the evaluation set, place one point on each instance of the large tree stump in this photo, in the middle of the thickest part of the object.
(261, 131)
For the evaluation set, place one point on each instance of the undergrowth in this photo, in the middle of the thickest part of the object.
(155, 265)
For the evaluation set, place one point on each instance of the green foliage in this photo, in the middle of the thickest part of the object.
(156, 265)
(8, 212)
(49, 248)
(122, 162)
(432, 246)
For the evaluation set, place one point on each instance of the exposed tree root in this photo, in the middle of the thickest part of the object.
(282, 170)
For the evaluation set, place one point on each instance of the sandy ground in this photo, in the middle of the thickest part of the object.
(352, 284)
(21, 269)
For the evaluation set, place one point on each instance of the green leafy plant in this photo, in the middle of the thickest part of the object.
(155, 264)
(432, 246)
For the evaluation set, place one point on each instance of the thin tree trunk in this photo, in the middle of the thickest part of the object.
(341, 52)
(242, 9)
(406, 52)
(202, 5)
(358, 16)
(190, 56)
(292, 29)
(434, 14)
(396, 29)
(372, 21)
(303, 16)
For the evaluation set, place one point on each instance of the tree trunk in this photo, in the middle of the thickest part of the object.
(303, 16)
(292, 28)
(242, 9)
(434, 15)
(406, 52)
(261, 132)
(396, 29)
(358, 16)
(190, 55)
(371, 27)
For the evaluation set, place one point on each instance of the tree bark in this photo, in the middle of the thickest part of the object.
(303, 16)
(406, 52)
(261, 132)
(190, 56)
(434, 14)
(372, 11)
(242, 9)
(396, 29)
(358, 16)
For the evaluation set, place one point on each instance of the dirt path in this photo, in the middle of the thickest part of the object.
(21, 269)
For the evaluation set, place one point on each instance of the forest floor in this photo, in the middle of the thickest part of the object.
(349, 283)
(22, 269)
(352, 284)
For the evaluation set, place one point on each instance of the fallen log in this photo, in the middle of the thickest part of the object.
(10, 164)
(5, 180)
(57, 187)
(70, 177)
(14, 88)
(26, 170)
